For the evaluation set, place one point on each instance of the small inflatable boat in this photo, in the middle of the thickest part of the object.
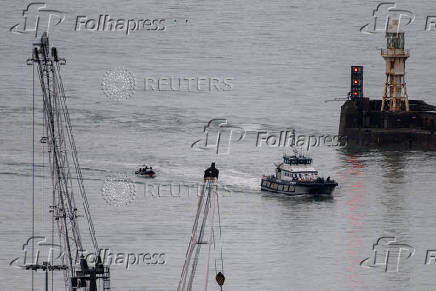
(146, 172)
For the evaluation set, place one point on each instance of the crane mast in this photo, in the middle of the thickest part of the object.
(202, 234)
(66, 178)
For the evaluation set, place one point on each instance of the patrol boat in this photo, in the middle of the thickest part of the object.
(296, 176)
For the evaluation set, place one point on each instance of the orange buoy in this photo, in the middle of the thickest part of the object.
(220, 279)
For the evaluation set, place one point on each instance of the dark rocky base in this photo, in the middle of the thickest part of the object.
(366, 126)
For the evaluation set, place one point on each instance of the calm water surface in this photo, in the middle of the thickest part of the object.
(285, 59)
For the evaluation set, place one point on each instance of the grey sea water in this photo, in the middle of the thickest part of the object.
(285, 58)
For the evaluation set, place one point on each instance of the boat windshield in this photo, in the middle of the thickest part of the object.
(293, 160)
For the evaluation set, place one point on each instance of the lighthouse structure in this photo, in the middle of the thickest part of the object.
(395, 97)
(394, 121)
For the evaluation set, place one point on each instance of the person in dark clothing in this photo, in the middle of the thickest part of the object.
(211, 172)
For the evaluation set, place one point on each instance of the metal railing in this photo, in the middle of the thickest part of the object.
(395, 52)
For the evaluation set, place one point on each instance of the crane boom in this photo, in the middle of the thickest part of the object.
(66, 180)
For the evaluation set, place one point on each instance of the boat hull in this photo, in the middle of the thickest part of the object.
(146, 175)
(298, 188)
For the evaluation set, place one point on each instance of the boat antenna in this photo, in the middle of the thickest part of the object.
(295, 150)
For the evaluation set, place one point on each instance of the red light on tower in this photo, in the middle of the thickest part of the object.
(356, 81)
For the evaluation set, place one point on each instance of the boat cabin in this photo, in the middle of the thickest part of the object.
(296, 168)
